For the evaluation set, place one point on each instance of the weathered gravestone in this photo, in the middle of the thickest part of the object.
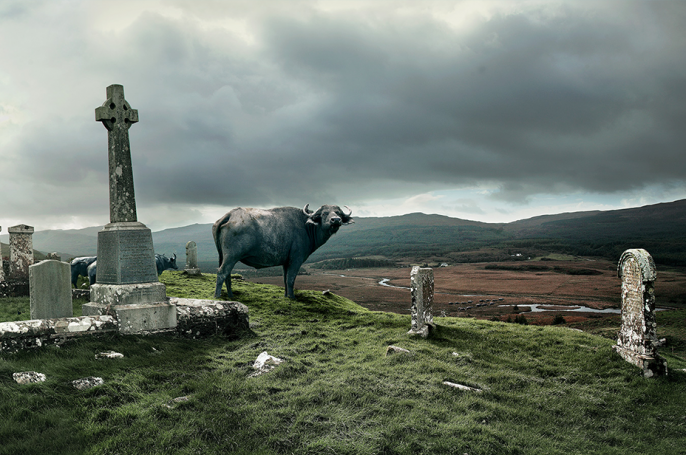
(637, 339)
(422, 288)
(127, 275)
(191, 259)
(50, 290)
(21, 252)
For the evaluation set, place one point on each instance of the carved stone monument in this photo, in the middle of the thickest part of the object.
(21, 252)
(191, 259)
(50, 290)
(127, 275)
(637, 339)
(422, 287)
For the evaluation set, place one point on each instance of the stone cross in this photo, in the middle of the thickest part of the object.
(21, 252)
(637, 340)
(50, 290)
(117, 116)
(192, 259)
(422, 288)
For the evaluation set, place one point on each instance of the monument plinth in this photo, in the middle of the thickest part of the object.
(127, 281)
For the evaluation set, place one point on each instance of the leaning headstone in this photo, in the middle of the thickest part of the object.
(422, 288)
(191, 259)
(127, 281)
(21, 252)
(50, 290)
(637, 340)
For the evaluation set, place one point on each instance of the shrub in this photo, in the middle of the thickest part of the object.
(559, 319)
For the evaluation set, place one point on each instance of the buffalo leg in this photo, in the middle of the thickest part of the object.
(224, 276)
(290, 272)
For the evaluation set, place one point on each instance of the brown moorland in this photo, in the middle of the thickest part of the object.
(491, 290)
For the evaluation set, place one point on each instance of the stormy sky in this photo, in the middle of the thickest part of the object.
(484, 110)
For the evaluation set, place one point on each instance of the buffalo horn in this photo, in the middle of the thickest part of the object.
(306, 210)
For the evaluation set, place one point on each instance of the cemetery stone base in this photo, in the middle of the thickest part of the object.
(138, 308)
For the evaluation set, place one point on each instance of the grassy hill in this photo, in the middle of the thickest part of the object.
(546, 390)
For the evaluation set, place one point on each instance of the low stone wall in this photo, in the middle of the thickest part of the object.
(39, 332)
(195, 319)
(200, 318)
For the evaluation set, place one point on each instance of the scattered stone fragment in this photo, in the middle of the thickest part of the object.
(264, 364)
(109, 355)
(395, 350)
(462, 387)
(28, 377)
(456, 354)
(327, 292)
(87, 383)
(176, 400)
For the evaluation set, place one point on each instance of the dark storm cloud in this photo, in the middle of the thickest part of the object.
(341, 106)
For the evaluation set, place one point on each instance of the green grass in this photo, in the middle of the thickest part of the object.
(546, 390)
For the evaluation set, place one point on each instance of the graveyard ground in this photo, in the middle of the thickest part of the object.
(546, 389)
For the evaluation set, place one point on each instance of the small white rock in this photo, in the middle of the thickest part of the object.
(109, 355)
(462, 387)
(28, 377)
(265, 363)
(395, 350)
(87, 383)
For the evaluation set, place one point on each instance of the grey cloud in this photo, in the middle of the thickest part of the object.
(345, 106)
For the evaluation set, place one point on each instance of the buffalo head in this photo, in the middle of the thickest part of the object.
(329, 217)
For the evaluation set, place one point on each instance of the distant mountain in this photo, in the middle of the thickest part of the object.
(660, 228)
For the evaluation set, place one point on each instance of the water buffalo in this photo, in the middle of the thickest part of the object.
(79, 266)
(284, 236)
(162, 263)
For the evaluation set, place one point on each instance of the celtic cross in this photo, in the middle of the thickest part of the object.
(117, 116)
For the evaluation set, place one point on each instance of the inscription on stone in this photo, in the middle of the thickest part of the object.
(126, 257)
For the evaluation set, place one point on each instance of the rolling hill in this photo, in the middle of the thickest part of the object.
(659, 228)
